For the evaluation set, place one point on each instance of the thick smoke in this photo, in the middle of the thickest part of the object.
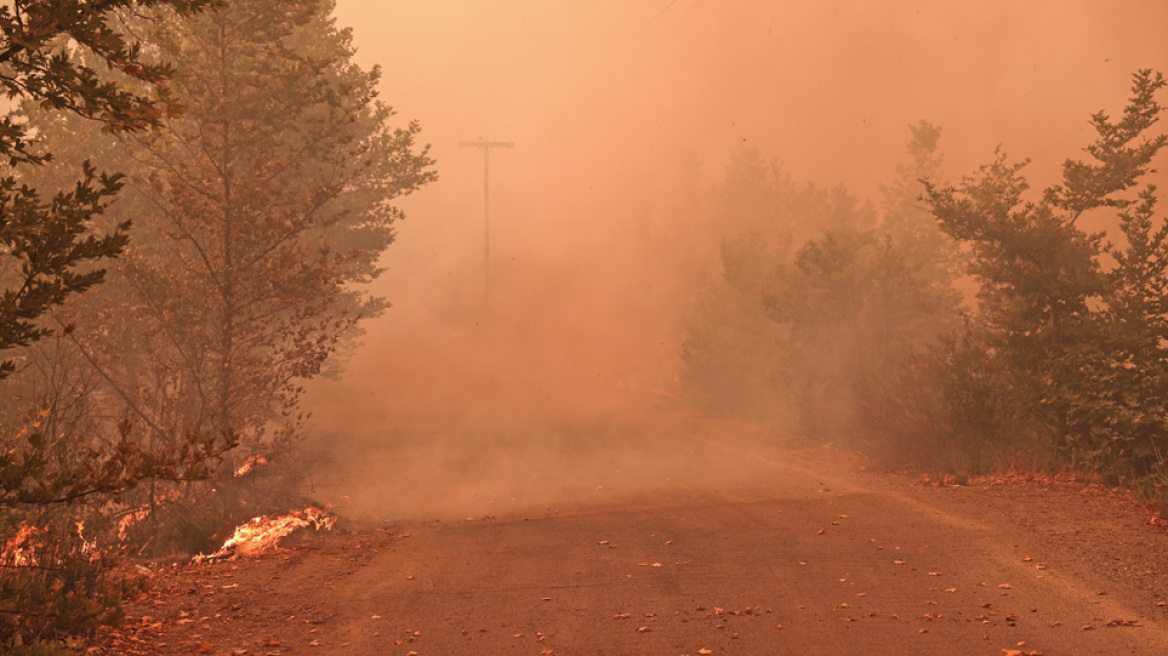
(621, 114)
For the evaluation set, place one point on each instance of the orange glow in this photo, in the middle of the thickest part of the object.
(251, 464)
(21, 549)
(262, 535)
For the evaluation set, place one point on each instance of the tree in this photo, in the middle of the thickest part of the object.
(65, 56)
(1085, 336)
(818, 300)
(45, 243)
(906, 218)
(258, 214)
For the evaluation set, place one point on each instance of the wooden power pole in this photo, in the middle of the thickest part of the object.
(486, 147)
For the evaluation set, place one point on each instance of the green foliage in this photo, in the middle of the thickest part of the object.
(258, 213)
(53, 581)
(810, 334)
(1083, 336)
(48, 243)
(734, 351)
(45, 242)
(57, 582)
(951, 406)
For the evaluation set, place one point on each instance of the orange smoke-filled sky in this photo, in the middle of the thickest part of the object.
(602, 99)
(604, 95)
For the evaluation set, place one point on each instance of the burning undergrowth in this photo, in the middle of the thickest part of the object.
(261, 535)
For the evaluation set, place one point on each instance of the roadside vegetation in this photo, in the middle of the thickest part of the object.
(959, 327)
(191, 191)
(194, 192)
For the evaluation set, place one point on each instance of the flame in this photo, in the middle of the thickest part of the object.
(263, 534)
(88, 547)
(135, 515)
(129, 519)
(20, 550)
(251, 464)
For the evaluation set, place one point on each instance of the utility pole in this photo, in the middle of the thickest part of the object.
(486, 147)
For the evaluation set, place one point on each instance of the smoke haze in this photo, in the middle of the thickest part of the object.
(595, 253)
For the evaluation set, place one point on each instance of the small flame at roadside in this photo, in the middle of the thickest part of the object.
(251, 464)
(263, 534)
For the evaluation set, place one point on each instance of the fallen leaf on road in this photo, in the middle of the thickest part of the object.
(642, 629)
(205, 648)
(705, 652)
(1005, 586)
(950, 589)
(898, 562)
(819, 532)
(314, 643)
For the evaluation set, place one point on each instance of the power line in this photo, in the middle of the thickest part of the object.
(659, 14)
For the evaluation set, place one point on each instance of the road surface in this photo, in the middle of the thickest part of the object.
(723, 543)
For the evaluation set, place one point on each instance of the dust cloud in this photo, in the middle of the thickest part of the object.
(564, 388)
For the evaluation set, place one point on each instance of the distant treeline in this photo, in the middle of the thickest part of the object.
(963, 326)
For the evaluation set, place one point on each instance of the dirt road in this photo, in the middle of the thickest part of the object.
(795, 553)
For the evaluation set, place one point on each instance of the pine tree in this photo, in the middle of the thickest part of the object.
(258, 215)
(1083, 336)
